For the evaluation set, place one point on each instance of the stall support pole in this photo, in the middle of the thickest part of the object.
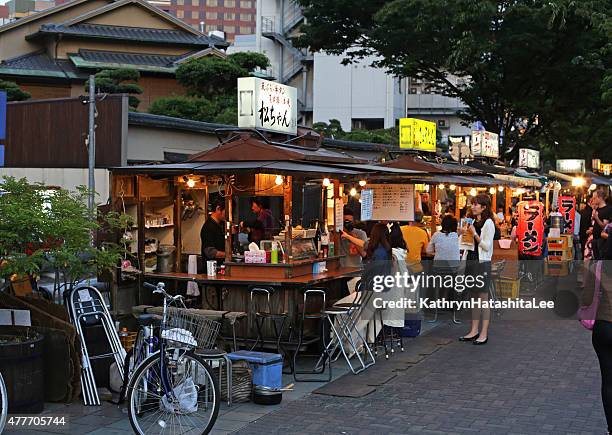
(228, 225)
(433, 198)
(508, 193)
(494, 202)
(457, 209)
(547, 201)
(288, 212)
(177, 228)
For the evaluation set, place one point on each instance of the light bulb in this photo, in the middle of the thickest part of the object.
(492, 190)
(578, 182)
(362, 183)
(473, 191)
(191, 183)
(278, 180)
(441, 186)
(452, 187)
(326, 182)
(500, 188)
(353, 191)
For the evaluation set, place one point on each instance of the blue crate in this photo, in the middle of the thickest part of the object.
(267, 367)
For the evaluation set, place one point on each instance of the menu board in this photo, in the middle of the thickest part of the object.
(389, 202)
(339, 212)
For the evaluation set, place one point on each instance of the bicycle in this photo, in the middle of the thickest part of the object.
(3, 404)
(174, 390)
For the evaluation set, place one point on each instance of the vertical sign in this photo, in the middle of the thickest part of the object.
(417, 134)
(529, 158)
(2, 126)
(267, 105)
(485, 144)
(530, 230)
(339, 212)
(567, 207)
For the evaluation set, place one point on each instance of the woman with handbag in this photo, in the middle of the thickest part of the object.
(596, 314)
(479, 265)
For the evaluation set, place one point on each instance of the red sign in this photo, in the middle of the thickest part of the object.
(530, 231)
(567, 207)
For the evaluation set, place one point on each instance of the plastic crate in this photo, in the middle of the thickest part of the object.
(507, 288)
(560, 268)
(267, 367)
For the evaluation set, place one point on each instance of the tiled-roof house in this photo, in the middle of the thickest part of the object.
(51, 53)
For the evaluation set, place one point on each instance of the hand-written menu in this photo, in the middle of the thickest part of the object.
(392, 202)
(339, 209)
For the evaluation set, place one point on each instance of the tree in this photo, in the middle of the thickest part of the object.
(530, 69)
(119, 81)
(13, 92)
(211, 83)
(333, 130)
(41, 228)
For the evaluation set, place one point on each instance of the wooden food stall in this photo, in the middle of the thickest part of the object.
(169, 203)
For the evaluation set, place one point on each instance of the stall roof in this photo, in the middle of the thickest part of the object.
(421, 165)
(472, 180)
(598, 179)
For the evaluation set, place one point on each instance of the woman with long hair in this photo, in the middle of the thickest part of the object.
(479, 265)
(379, 246)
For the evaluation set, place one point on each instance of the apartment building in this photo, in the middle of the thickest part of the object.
(22, 8)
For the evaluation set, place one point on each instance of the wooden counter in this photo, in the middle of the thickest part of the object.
(279, 270)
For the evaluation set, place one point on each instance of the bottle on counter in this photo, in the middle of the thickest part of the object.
(274, 253)
(325, 243)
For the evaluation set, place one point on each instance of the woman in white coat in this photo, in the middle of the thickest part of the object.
(479, 265)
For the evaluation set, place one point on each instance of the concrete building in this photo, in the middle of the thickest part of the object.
(23, 8)
(50, 54)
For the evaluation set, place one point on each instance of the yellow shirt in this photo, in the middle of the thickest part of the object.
(416, 240)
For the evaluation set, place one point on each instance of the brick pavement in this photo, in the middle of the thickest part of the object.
(533, 377)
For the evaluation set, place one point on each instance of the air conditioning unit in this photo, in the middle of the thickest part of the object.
(441, 122)
(413, 90)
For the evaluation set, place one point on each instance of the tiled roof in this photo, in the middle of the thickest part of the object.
(160, 36)
(39, 63)
(128, 58)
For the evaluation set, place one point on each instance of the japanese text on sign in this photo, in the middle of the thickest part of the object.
(417, 134)
(267, 105)
(485, 144)
(529, 158)
(567, 207)
(393, 202)
(530, 230)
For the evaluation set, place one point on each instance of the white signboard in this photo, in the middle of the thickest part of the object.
(389, 202)
(339, 212)
(529, 158)
(267, 105)
(570, 166)
(485, 144)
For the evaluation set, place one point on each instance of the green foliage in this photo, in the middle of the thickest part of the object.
(211, 83)
(13, 92)
(43, 228)
(334, 130)
(538, 70)
(119, 81)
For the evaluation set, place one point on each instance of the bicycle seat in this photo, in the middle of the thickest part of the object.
(149, 319)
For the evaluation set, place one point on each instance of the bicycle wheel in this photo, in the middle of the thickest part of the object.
(4, 404)
(196, 395)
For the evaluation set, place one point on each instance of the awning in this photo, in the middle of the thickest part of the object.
(461, 180)
(600, 180)
(519, 181)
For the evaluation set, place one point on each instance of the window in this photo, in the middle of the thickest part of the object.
(211, 15)
(211, 27)
(245, 4)
(229, 29)
(180, 14)
(211, 2)
(229, 16)
(180, 2)
(195, 15)
(368, 123)
(195, 2)
(245, 30)
(246, 17)
(229, 3)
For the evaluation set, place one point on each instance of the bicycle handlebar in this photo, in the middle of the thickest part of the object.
(159, 289)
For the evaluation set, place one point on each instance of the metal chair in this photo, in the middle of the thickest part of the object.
(223, 359)
(320, 314)
(259, 292)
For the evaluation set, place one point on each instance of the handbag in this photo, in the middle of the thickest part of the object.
(588, 314)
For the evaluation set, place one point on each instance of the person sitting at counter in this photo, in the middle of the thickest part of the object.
(264, 216)
(212, 234)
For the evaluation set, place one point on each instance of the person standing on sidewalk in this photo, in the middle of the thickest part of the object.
(602, 330)
(479, 264)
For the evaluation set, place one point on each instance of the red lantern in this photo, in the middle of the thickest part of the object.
(567, 207)
(530, 230)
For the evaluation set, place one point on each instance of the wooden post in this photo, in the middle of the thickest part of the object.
(177, 228)
(494, 201)
(457, 209)
(433, 198)
(547, 201)
(508, 192)
(288, 214)
(228, 225)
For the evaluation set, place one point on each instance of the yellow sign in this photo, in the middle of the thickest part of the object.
(605, 168)
(417, 134)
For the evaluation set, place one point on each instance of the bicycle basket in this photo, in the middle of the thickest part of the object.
(190, 329)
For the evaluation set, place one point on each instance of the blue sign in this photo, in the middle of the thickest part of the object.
(1, 156)
(2, 115)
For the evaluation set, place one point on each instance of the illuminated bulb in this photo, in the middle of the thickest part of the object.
(492, 190)
(578, 182)
(326, 182)
(362, 183)
(452, 187)
(520, 190)
(427, 188)
(473, 191)
(278, 180)
(191, 183)
(441, 186)
(592, 187)
(353, 191)
(500, 188)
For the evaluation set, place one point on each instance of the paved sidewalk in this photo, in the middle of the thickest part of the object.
(536, 377)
